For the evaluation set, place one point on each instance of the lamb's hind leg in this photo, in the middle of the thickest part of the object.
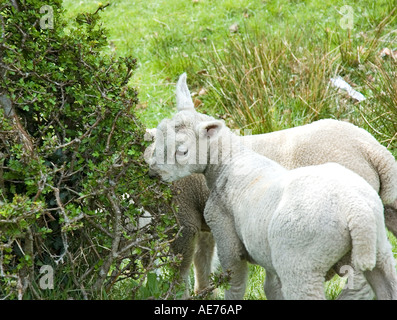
(357, 286)
(302, 285)
(203, 260)
(272, 286)
(383, 278)
(301, 278)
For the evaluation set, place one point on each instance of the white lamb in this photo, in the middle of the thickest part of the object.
(320, 142)
(296, 224)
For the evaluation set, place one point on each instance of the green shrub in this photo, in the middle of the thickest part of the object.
(72, 177)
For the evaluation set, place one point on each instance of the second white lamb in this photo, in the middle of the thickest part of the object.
(297, 224)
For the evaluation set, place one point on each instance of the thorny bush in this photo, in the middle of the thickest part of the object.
(73, 182)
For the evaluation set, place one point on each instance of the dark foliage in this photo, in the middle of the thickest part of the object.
(73, 182)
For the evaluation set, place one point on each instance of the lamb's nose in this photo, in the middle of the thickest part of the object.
(152, 174)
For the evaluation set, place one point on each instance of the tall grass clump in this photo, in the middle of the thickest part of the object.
(380, 111)
(373, 65)
(266, 83)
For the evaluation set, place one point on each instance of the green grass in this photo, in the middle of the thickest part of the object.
(170, 37)
(166, 37)
(273, 73)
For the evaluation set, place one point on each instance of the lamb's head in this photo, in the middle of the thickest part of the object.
(182, 144)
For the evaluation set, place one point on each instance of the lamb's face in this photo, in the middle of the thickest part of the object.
(172, 155)
(181, 144)
(180, 147)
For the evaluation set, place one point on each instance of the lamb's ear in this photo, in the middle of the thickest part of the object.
(209, 129)
(183, 98)
(150, 134)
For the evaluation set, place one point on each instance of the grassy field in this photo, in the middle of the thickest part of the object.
(170, 37)
(261, 65)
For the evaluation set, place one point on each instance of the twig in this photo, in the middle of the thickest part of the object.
(101, 8)
(111, 132)
(116, 240)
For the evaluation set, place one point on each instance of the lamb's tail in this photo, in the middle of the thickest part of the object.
(386, 166)
(363, 224)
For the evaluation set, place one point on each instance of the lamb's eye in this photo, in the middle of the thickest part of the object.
(181, 151)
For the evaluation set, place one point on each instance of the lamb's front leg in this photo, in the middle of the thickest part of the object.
(231, 252)
(238, 281)
(203, 257)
